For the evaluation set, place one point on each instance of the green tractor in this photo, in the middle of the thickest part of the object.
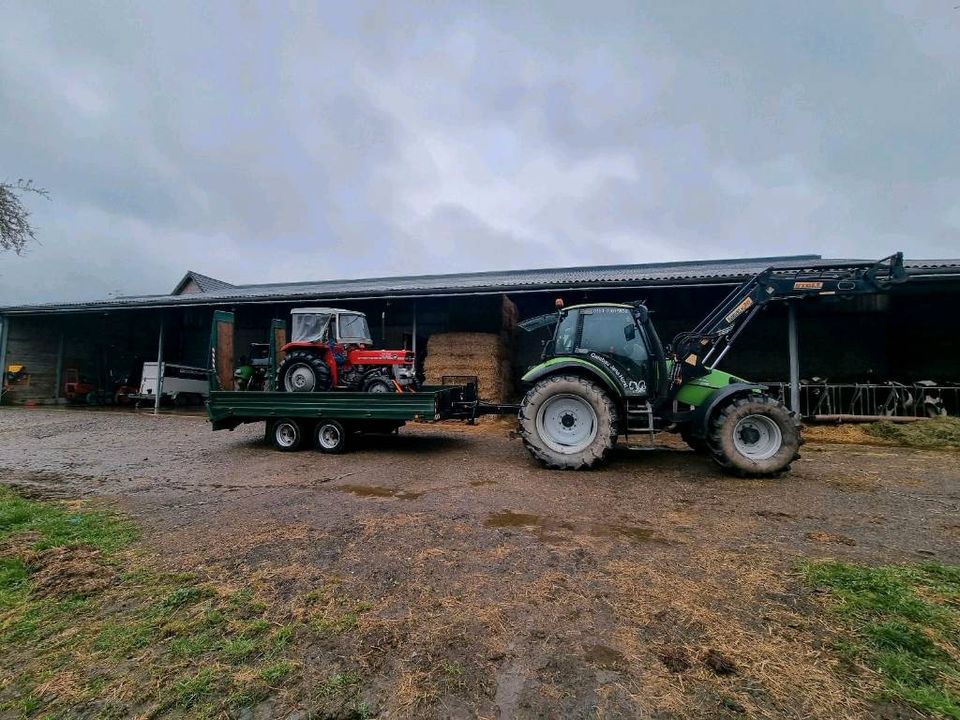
(605, 374)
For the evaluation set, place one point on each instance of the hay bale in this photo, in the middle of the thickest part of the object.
(484, 355)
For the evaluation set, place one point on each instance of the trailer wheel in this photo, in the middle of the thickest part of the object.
(286, 435)
(754, 436)
(330, 437)
(568, 422)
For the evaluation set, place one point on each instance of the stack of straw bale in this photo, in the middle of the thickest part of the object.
(487, 356)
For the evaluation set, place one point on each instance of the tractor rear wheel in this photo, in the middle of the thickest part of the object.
(303, 371)
(754, 436)
(568, 422)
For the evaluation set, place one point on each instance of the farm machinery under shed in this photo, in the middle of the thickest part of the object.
(603, 375)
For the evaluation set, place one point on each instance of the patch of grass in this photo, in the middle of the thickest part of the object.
(904, 622)
(13, 581)
(943, 432)
(193, 645)
(122, 639)
(148, 644)
(193, 690)
(338, 683)
(275, 673)
(56, 525)
(236, 650)
(186, 595)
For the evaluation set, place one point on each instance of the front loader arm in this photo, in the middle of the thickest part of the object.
(697, 352)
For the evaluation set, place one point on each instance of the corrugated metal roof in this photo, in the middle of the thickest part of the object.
(634, 276)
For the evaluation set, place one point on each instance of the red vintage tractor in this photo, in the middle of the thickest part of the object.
(330, 350)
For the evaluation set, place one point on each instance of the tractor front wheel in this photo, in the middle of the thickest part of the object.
(568, 422)
(378, 384)
(754, 436)
(303, 371)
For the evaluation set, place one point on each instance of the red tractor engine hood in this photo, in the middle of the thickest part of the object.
(380, 357)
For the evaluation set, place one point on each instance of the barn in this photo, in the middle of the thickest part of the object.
(905, 336)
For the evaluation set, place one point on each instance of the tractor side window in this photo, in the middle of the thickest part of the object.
(612, 331)
(353, 328)
(566, 334)
(309, 327)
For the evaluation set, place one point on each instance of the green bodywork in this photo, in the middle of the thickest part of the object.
(228, 409)
(564, 361)
(693, 393)
(699, 390)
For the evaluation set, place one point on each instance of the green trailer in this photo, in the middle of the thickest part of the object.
(327, 419)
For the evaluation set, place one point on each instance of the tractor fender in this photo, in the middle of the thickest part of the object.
(580, 367)
(700, 419)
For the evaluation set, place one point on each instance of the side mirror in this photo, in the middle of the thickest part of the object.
(630, 333)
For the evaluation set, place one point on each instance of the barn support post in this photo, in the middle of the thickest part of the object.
(59, 381)
(159, 386)
(794, 357)
(414, 343)
(4, 333)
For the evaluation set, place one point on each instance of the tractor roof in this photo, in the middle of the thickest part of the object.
(322, 311)
(593, 305)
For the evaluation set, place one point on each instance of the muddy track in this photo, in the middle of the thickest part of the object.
(552, 594)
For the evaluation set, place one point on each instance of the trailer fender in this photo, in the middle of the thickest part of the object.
(552, 367)
(700, 418)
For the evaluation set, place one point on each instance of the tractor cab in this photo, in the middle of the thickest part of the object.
(322, 325)
(614, 338)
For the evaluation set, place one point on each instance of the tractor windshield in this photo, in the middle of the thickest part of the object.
(310, 327)
(354, 329)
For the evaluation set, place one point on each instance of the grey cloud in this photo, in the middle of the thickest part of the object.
(264, 143)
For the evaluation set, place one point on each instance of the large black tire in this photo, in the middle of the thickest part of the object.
(303, 371)
(568, 422)
(696, 444)
(754, 436)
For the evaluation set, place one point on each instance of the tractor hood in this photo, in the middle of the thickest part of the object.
(696, 391)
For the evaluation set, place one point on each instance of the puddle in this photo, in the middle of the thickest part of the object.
(633, 532)
(554, 531)
(378, 491)
(603, 656)
(512, 519)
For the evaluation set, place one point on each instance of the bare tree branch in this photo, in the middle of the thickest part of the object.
(15, 228)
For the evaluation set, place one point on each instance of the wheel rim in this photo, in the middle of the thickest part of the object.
(300, 378)
(379, 387)
(757, 437)
(286, 434)
(567, 424)
(328, 436)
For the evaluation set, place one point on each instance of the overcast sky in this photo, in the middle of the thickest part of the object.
(262, 143)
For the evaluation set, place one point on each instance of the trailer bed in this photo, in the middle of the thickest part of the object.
(227, 408)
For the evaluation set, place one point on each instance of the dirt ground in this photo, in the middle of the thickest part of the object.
(656, 588)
